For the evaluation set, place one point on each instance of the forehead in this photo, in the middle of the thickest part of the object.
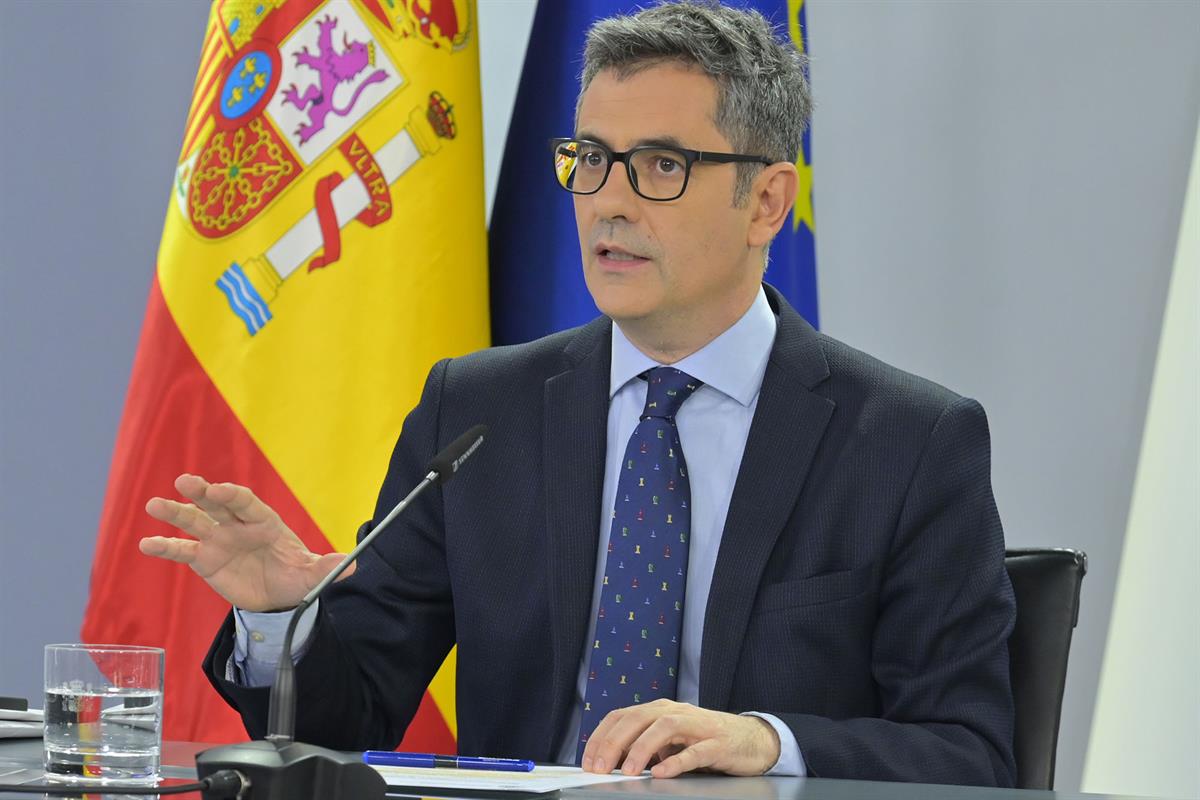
(667, 101)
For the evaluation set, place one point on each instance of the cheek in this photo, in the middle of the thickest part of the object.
(582, 219)
(682, 237)
(715, 237)
(585, 220)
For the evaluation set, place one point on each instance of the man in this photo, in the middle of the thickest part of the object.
(816, 588)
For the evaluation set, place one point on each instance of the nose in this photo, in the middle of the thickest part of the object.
(616, 199)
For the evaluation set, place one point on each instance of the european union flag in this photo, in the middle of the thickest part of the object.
(537, 282)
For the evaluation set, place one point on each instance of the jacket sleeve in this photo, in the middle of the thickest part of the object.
(940, 647)
(381, 633)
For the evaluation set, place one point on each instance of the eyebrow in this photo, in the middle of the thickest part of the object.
(651, 141)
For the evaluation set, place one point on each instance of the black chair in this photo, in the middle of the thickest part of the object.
(1046, 584)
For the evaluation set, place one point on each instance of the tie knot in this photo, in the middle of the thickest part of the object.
(666, 390)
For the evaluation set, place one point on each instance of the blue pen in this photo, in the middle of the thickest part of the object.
(386, 758)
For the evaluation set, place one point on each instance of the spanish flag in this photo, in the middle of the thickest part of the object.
(324, 244)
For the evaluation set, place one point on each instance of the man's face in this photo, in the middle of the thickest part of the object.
(685, 261)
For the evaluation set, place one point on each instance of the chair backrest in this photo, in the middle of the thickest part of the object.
(1046, 584)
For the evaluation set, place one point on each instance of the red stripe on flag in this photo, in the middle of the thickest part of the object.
(199, 107)
(176, 421)
(206, 56)
(428, 732)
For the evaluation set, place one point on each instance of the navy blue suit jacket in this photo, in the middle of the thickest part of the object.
(859, 594)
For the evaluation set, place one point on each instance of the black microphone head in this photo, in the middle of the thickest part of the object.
(447, 462)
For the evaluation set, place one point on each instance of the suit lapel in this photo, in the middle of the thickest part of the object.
(788, 424)
(574, 437)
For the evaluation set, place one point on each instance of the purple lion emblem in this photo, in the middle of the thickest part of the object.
(332, 68)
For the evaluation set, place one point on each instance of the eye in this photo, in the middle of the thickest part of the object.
(667, 165)
(593, 159)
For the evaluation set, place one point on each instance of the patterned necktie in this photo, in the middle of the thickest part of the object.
(635, 654)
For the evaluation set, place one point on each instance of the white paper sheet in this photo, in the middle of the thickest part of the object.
(20, 730)
(542, 779)
(20, 724)
(32, 715)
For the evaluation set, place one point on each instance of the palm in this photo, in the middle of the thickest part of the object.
(254, 565)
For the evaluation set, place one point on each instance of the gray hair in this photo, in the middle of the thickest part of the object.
(763, 98)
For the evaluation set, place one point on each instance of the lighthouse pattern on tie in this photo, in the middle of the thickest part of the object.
(635, 652)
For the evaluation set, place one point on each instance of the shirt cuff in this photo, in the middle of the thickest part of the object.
(791, 760)
(258, 643)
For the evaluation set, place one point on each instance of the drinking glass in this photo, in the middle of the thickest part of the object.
(103, 713)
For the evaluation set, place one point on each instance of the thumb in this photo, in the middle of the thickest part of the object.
(327, 563)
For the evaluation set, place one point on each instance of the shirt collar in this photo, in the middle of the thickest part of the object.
(734, 363)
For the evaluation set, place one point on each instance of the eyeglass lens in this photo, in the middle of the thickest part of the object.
(657, 173)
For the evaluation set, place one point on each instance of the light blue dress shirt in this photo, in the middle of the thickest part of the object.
(713, 426)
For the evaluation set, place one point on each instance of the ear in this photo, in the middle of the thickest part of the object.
(771, 199)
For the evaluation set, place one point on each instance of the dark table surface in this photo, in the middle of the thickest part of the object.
(20, 762)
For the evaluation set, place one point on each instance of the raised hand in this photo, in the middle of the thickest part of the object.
(241, 547)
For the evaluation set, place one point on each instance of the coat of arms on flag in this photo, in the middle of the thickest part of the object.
(278, 105)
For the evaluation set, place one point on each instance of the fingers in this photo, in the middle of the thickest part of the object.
(187, 518)
(609, 742)
(603, 753)
(665, 752)
(703, 753)
(195, 488)
(667, 731)
(224, 502)
(182, 551)
(240, 502)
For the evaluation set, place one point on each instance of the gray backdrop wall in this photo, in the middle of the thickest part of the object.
(998, 190)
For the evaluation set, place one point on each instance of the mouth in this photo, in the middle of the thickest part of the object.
(617, 258)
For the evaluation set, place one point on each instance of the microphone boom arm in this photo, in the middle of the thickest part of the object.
(281, 713)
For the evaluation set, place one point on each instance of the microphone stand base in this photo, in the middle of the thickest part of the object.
(287, 770)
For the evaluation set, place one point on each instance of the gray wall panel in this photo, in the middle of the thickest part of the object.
(998, 194)
(93, 98)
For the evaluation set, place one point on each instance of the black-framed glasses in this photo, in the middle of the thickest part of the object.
(656, 172)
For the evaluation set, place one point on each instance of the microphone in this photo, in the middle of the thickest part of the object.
(447, 462)
(279, 767)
